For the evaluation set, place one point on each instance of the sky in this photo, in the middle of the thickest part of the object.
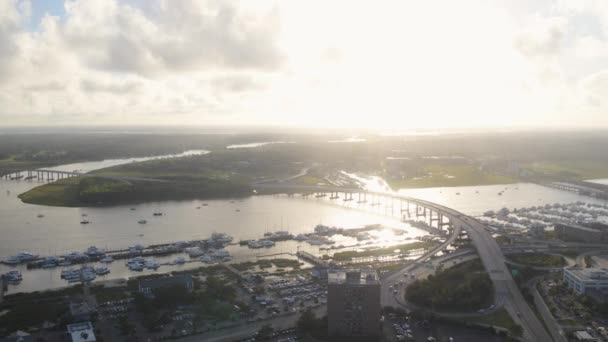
(398, 65)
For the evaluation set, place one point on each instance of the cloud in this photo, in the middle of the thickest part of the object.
(544, 39)
(92, 86)
(171, 36)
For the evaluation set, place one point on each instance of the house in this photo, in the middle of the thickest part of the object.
(81, 332)
(148, 286)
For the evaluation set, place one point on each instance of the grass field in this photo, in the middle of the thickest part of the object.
(579, 170)
(102, 191)
(500, 318)
(442, 175)
(538, 259)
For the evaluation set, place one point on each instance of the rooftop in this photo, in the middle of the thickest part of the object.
(81, 332)
(589, 274)
(355, 277)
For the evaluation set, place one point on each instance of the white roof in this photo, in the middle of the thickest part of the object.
(82, 332)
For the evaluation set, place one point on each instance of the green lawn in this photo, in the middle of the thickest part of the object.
(538, 259)
(500, 318)
(580, 170)
(443, 175)
(464, 287)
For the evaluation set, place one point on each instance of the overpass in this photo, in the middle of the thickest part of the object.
(505, 288)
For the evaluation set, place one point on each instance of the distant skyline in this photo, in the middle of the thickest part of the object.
(380, 65)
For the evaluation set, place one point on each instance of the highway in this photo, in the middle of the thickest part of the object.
(505, 288)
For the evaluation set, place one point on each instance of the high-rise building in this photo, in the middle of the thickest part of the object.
(353, 303)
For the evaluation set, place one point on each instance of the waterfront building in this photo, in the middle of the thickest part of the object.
(581, 280)
(148, 286)
(81, 332)
(353, 303)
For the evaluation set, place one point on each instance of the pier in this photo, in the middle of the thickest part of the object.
(312, 259)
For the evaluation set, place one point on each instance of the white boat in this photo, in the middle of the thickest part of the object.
(13, 276)
(102, 270)
(136, 267)
(180, 261)
(206, 259)
(107, 259)
(151, 265)
(20, 258)
(194, 251)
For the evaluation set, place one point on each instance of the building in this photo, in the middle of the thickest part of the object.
(582, 280)
(148, 286)
(81, 332)
(353, 303)
(583, 336)
(579, 233)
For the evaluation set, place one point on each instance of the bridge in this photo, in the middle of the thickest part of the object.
(506, 291)
(39, 174)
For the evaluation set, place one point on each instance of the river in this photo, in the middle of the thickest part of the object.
(59, 230)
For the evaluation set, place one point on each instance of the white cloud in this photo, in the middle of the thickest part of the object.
(394, 63)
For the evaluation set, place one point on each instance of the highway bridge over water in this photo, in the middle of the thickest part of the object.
(506, 291)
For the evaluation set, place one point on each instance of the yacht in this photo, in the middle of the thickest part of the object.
(180, 261)
(136, 267)
(142, 221)
(102, 270)
(20, 258)
(151, 265)
(13, 276)
(158, 213)
(85, 221)
(206, 259)
(107, 259)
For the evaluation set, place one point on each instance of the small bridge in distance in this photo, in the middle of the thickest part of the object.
(39, 174)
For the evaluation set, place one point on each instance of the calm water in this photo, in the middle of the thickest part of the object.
(60, 231)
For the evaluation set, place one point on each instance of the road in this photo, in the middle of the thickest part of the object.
(505, 288)
(247, 330)
(554, 328)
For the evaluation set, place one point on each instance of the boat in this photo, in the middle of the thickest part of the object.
(13, 276)
(206, 259)
(198, 207)
(151, 265)
(20, 258)
(205, 204)
(102, 270)
(132, 208)
(40, 216)
(142, 221)
(180, 261)
(458, 193)
(88, 277)
(65, 263)
(158, 213)
(107, 259)
(85, 222)
(237, 210)
(136, 267)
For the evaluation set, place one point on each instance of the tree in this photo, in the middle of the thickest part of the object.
(307, 321)
(265, 331)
